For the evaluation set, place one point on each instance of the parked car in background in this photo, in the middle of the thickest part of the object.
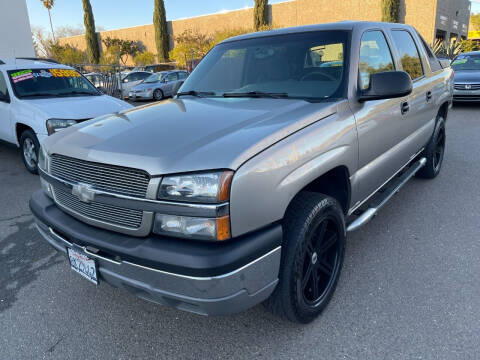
(39, 98)
(158, 86)
(242, 189)
(466, 67)
(132, 79)
(97, 79)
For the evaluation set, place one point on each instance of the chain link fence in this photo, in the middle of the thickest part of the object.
(108, 78)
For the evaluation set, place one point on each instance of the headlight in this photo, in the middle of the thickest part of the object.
(54, 125)
(213, 187)
(192, 227)
(207, 188)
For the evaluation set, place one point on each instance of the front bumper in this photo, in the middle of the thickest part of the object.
(207, 279)
(466, 95)
(140, 96)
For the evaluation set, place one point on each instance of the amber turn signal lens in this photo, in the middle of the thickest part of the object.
(225, 181)
(223, 228)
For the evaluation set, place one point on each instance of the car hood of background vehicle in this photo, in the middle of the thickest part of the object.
(79, 107)
(188, 134)
(143, 86)
(467, 76)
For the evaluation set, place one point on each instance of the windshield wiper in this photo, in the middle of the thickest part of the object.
(75, 92)
(256, 94)
(196, 93)
(39, 95)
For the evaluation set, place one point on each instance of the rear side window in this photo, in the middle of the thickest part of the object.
(171, 77)
(375, 56)
(182, 75)
(3, 88)
(409, 55)
(432, 59)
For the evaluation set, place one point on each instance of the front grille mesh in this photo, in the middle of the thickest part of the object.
(100, 212)
(462, 86)
(111, 178)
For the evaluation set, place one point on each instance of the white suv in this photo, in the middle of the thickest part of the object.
(41, 97)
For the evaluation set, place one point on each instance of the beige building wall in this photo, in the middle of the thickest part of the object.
(425, 15)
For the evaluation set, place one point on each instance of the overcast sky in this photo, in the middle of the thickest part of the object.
(113, 14)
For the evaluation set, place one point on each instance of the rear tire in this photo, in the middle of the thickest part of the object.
(312, 257)
(29, 147)
(434, 152)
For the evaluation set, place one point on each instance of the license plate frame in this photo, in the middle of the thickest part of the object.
(83, 265)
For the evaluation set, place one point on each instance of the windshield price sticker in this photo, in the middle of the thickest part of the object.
(64, 73)
(21, 75)
(459, 61)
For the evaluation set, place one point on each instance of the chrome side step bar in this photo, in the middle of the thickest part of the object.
(370, 213)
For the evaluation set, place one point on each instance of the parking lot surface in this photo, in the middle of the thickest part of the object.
(410, 287)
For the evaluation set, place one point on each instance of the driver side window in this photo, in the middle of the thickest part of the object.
(375, 56)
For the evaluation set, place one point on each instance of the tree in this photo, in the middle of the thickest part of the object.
(91, 38)
(161, 30)
(66, 54)
(260, 14)
(144, 58)
(123, 48)
(391, 11)
(48, 5)
(187, 42)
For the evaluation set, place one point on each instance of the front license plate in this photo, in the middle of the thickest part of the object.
(83, 265)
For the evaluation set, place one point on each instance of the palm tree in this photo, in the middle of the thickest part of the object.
(48, 5)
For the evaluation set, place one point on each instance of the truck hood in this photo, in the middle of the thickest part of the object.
(188, 134)
(81, 107)
(467, 76)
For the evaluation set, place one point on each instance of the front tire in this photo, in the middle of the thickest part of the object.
(29, 147)
(434, 152)
(158, 95)
(312, 257)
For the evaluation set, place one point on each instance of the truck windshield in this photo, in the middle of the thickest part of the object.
(37, 83)
(466, 62)
(310, 66)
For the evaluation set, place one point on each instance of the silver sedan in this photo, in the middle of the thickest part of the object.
(158, 86)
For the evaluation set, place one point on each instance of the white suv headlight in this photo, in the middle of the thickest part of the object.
(54, 125)
(211, 187)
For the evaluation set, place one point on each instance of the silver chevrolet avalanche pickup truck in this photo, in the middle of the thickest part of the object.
(242, 189)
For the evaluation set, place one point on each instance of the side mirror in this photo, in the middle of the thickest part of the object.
(387, 85)
(125, 80)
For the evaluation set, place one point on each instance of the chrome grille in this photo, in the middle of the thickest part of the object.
(111, 178)
(467, 86)
(100, 212)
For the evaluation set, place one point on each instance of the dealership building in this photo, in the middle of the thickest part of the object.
(444, 19)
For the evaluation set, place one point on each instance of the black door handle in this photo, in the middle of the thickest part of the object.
(404, 107)
(429, 96)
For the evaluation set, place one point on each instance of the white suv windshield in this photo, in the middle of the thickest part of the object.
(309, 66)
(32, 83)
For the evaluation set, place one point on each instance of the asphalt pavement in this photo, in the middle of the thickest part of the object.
(410, 286)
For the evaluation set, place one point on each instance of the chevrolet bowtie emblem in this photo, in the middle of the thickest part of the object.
(84, 192)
